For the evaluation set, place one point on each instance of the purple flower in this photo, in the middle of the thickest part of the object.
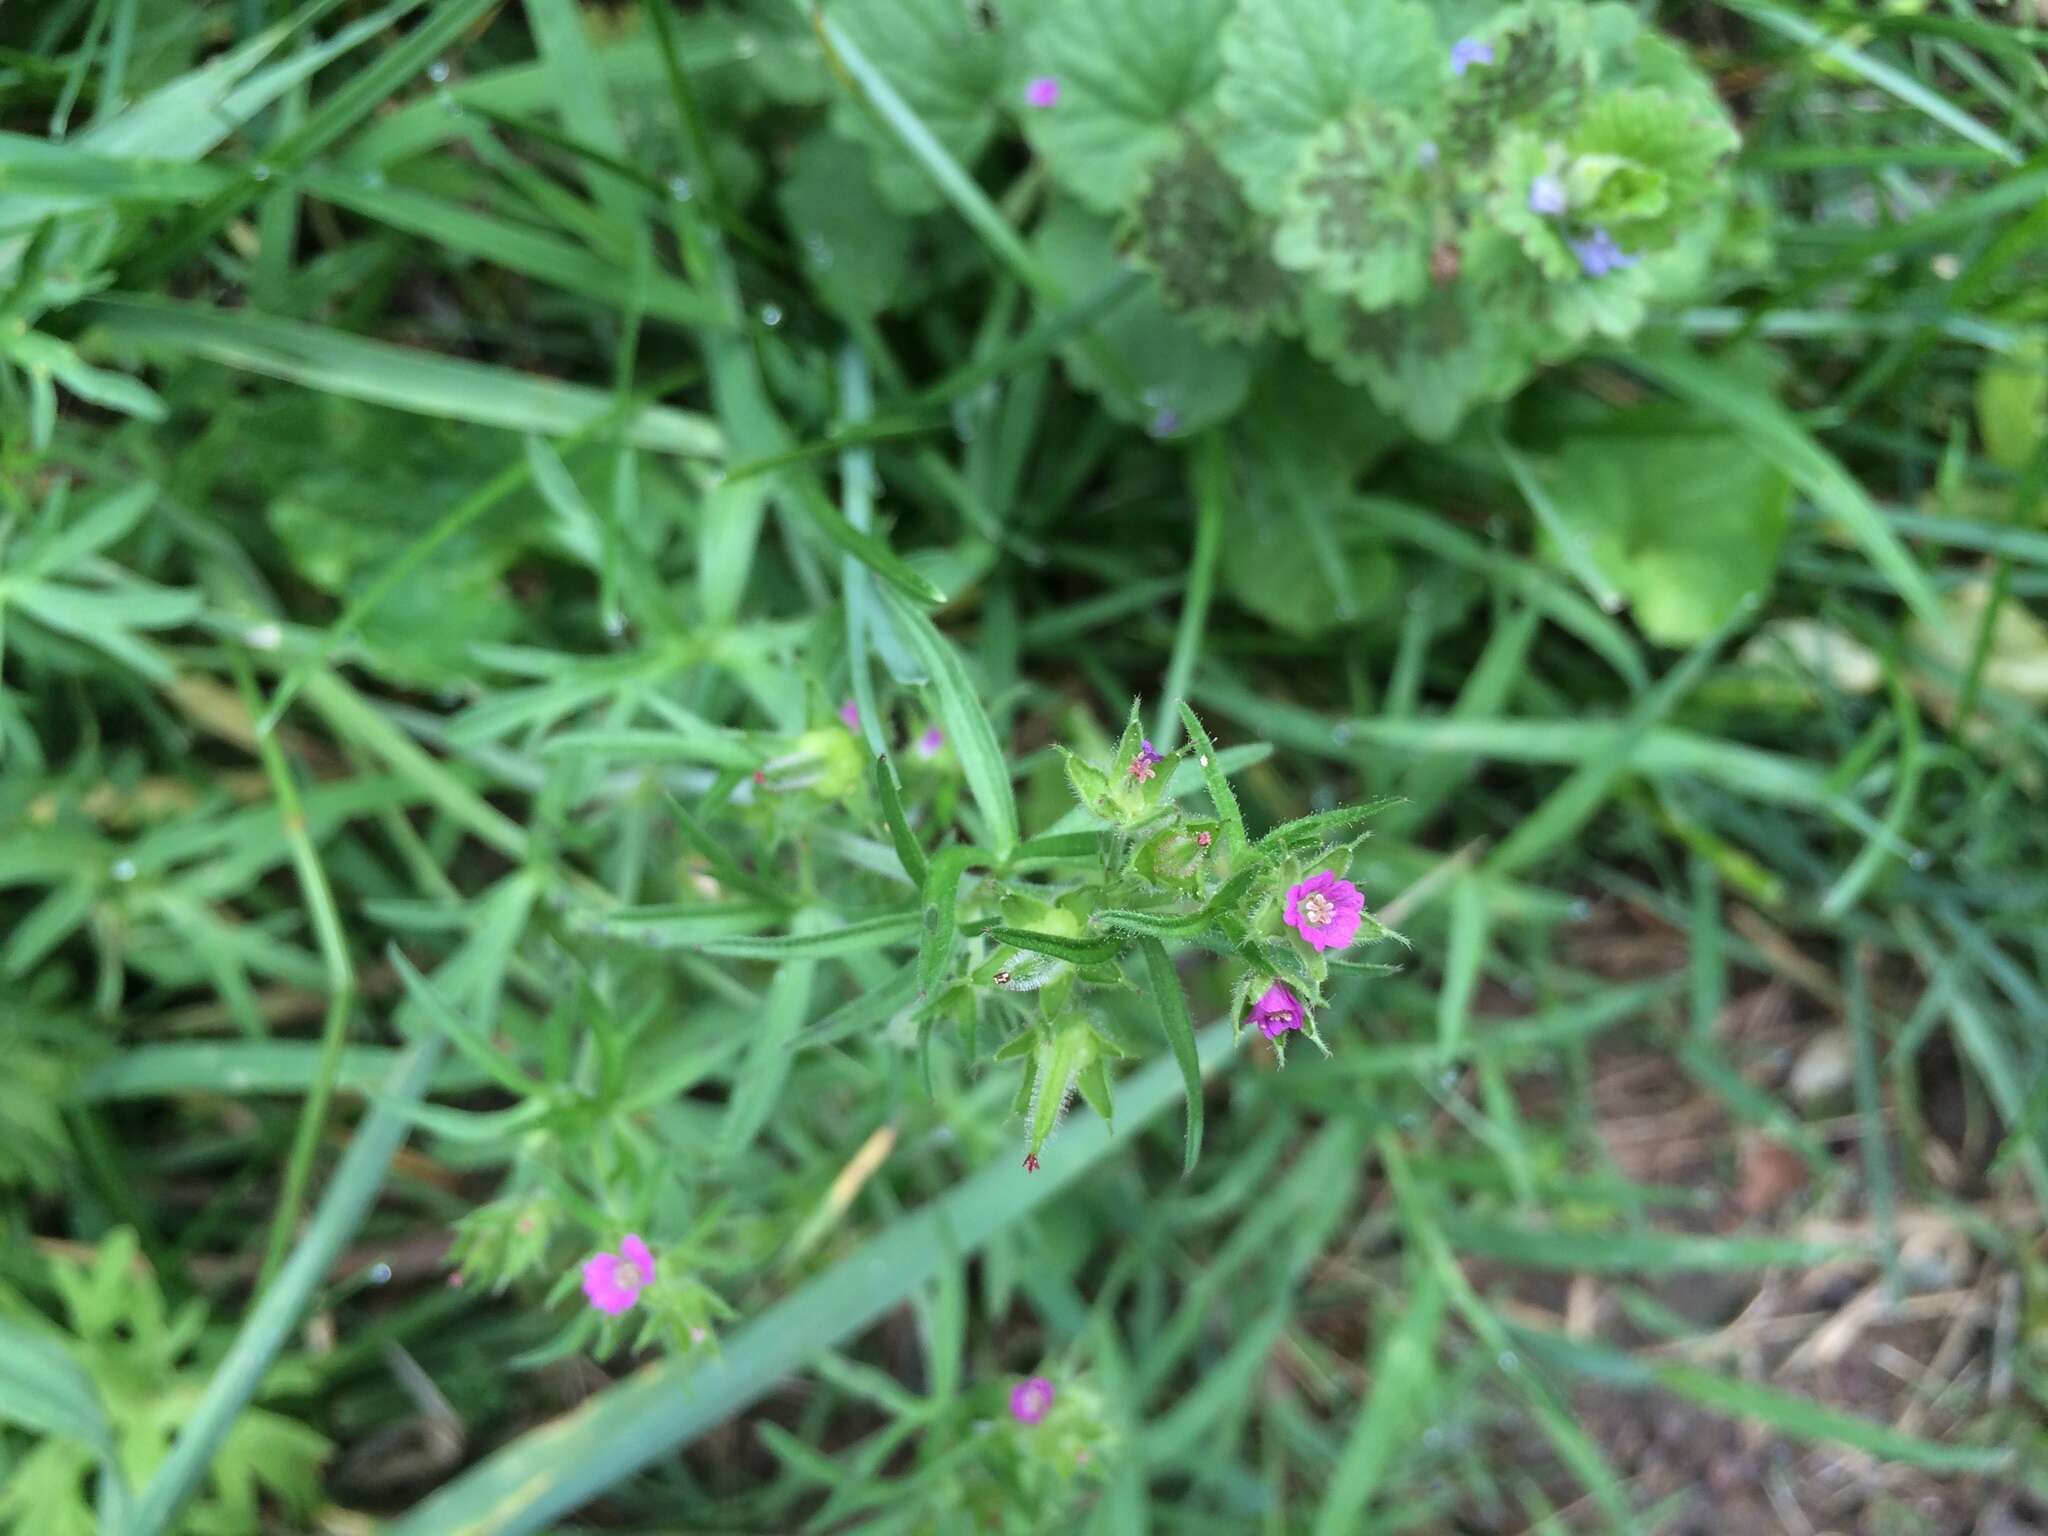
(849, 714)
(930, 742)
(1165, 421)
(613, 1281)
(1467, 51)
(1278, 1011)
(1031, 1401)
(1599, 255)
(1547, 196)
(1042, 91)
(1145, 763)
(1326, 910)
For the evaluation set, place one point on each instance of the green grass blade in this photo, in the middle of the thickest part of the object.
(278, 1310)
(1172, 1005)
(380, 373)
(967, 724)
(1402, 1375)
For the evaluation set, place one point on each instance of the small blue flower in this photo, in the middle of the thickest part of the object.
(1426, 152)
(1547, 196)
(1468, 51)
(1599, 255)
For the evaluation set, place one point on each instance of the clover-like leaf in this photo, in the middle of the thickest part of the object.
(1358, 213)
(946, 64)
(1131, 75)
(1208, 249)
(1293, 67)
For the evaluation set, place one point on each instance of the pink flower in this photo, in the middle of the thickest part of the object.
(1031, 1401)
(849, 714)
(1204, 839)
(930, 742)
(1278, 1011)
(1326, 910)
(1043, 91)
(613, 1281)
(1145, 763)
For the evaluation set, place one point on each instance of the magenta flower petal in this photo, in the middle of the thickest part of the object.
(930, 742)
(613, 1281)
(1031, 1400)
(1325, 910)
(1042, 91)
(1277, 1011)
(636, 1253)
(1146, 763)
(849, 713)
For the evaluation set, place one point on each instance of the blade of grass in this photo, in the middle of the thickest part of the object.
(1172, 1005)
(1209, 464)
(277, 1310)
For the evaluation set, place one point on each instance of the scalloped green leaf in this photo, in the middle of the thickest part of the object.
(855, 248)
(1208, 249)
(1687, 526)
(946, 64)
(1133, 76)
(1358, 211)
(1292, 67)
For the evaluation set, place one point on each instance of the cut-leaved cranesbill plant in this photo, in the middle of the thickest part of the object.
(1278, 910)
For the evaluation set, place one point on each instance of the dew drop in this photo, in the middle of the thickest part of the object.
(680, 189)
(771, 314)
(615, 624)
(259, 172)
(263, 637)
(1205, 760)
(1921, 859)
(373, 179)
(745, 46)
(1341, 733)
(124, 869)
(1509, 1361)
(438, 71)
(380, 1274)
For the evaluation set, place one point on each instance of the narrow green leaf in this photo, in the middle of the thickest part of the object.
(941, 919)
(1213, 778)
(967, 725)
(908, 850)
(405, 378)
(43, 1390)
(1172, 1003)
(814, 941)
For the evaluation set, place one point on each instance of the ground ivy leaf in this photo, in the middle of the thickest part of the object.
(1292, 67)
(1687, 526)
(1428, 363)
(1357, 213)
(946, 65)
(1132, 74)
(854, 247)
(1184, 383)
(1207, 248)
